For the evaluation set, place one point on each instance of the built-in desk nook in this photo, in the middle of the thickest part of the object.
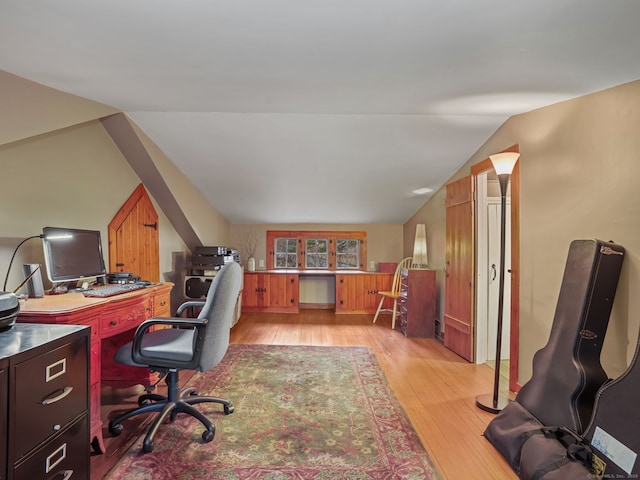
(113, 321)
(278, 291)
(348, 292)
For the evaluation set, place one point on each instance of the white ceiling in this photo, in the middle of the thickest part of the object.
(333, 111)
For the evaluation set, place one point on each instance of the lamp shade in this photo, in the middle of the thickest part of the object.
(504, 162)
(420, 247)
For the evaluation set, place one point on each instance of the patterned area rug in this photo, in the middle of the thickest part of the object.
(301, 413)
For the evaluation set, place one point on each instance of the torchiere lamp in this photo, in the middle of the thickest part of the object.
(503, 164)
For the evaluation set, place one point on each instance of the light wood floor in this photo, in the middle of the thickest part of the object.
(436, 387)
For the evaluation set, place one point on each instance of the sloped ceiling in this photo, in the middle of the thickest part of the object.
(283, 111)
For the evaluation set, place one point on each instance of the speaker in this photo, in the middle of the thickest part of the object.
(197, 287)
(34, 285)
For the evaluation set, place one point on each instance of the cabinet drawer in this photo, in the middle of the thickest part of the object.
(161, 305)
(50, 391)
(120, 320)
(64, 456)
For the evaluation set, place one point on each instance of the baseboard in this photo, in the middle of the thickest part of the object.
(317, 306)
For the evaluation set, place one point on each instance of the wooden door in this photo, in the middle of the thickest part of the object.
(133, 238)
(250, 291)
(459, 280)
(350, 293)
(282, 291)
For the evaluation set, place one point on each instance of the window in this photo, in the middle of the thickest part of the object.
(317, 253)
(286, 253)
(347, 253)
(316, 250)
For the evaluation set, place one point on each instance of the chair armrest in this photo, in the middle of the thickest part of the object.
(199, 324)
(186, 305)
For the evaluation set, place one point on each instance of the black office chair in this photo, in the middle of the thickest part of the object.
(191, 344)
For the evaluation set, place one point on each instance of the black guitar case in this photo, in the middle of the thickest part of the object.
(567, 372)
(614, 430)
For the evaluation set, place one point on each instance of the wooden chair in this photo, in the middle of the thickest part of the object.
(394, 293)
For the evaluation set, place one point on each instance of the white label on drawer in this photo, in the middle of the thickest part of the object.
(56, 369)
(56, 457)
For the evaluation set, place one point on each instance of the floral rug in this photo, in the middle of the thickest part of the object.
(301, 412)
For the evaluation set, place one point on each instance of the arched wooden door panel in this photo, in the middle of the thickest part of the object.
(133, 238)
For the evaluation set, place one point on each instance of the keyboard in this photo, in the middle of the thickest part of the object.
(113, 289)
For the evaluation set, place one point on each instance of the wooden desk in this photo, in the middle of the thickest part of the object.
(113, 321)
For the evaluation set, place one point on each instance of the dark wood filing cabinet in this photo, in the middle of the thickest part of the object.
(417, 305)
(44, 370)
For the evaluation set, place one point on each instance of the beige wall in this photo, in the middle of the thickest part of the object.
(579, 169)
(74, 177)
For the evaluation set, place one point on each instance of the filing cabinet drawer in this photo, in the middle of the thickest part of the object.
(64, 456)
(50, 391)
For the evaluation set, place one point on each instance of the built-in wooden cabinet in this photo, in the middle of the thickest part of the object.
(270, 292)
(358, 292)
(417, 305)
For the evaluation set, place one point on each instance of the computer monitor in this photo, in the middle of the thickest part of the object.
(72, 254)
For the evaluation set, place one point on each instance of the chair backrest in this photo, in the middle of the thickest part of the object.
(218, 309)
(405, 263)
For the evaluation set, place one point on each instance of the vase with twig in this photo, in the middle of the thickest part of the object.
(250, 246)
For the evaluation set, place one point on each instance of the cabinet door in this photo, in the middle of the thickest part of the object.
(251, 290)
(281, 293)
(380, 283)
(270, 292)
(354, 293)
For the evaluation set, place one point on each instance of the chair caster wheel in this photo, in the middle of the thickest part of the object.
(147, 448)
(144, 401)
(229, 409)
(207, 436)
(116, 429)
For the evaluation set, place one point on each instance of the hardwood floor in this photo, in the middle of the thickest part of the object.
(436, 387)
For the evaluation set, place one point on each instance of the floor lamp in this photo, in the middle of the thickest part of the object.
(503, 164)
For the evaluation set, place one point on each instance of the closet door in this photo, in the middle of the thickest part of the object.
(133, 238)
(459, 271)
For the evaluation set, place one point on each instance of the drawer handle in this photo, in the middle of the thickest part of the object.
(65, 391)
(66, 474)
(113, 323)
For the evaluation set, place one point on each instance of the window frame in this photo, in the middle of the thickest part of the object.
(301, 236)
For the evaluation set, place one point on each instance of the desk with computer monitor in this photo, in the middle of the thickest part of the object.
(113, 321)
